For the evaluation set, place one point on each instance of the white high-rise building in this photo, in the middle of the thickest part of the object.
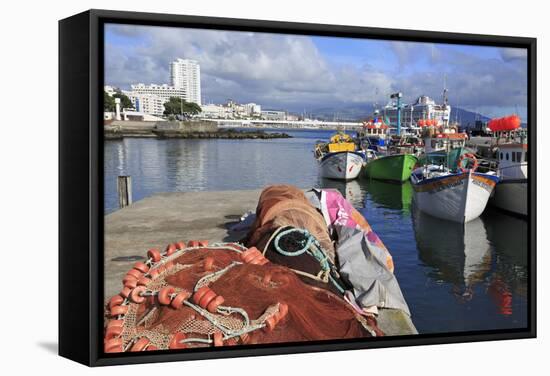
(185, 75)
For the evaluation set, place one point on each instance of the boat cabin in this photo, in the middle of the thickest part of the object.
(444, 142)
(512, 161)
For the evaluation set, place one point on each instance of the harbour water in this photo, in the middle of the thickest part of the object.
(454, 277)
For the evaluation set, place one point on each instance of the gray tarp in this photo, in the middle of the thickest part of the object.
(362, 266)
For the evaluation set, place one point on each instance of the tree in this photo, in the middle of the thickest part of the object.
(125, 102)
(108, 102)
(178, 106)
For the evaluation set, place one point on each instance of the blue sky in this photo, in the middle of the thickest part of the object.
(305, 73)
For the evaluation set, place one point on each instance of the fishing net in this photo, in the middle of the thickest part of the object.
(285, 205)
(198, 295)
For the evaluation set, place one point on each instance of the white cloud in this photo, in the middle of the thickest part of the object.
(288, 71)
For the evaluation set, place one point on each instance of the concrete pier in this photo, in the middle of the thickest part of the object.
(169, 217)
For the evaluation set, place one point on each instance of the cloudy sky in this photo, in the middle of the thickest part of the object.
(300, 73)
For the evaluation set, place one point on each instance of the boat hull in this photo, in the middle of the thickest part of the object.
(511, 195)
(460, 197)
(341, 165)
(395, 168)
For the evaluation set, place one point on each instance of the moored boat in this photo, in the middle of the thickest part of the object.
(511, 191)
(340, 158)
(397, 167)
(458, 196)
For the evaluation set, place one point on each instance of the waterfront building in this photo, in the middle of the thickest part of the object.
(423, 108)
(274, 115)
(147, 103)
(185, 75)
(215, 111)
(163, 91)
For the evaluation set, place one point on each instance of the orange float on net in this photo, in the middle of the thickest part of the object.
(151, 348)
(180, 245)
(193, 243)
(126, 292)
(170, 249)
(112, 332)
(164, 296)
(129, 280)
(113, 345)
(218, 339)
(135, 273)
(212, 307)
(207, 298)
(203, 243)
(140, 344)
(178, 300)
(141, 267)
(154, 254)
(115, 300)
(119, 310)
(175, 342)
(135, 295)
(113, 323)
(199, 294)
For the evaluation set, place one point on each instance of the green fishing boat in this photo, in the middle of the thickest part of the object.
(397, 167)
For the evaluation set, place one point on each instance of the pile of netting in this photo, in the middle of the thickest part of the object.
(197, 295)
(292, 232)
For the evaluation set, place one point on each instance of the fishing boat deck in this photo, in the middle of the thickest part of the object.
(169, 217)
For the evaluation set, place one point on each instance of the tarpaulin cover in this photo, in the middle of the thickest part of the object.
(363, 260)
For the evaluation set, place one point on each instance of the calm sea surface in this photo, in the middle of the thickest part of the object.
(454, 277)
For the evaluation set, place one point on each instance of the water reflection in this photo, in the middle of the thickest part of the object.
(391, 195)
(351, 190)
(459, 254)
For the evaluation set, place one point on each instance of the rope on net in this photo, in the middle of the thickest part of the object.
(295, 242)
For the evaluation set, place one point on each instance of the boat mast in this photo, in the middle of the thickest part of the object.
(398, 96)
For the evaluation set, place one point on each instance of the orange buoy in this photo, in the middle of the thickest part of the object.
(115, 300)
(135, 295)
(141, 267)
(151, 348)
(113, 345)
(130, 282)
(140, 344)
(170, 249)
(112, 332)
(199, 294)
(207, 298)
(128, 279)
(113, 323)
(126, 292)
(180, 245)
(135, 273)
(212, 307)
(178, 300)
(154, 254)
(203, 243)
(119, 310)
(164, 296)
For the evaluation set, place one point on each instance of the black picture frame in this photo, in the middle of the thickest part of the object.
(81, 184)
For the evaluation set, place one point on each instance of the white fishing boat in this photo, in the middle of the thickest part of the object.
(340, 158)
(511, 190)
(459, 196)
